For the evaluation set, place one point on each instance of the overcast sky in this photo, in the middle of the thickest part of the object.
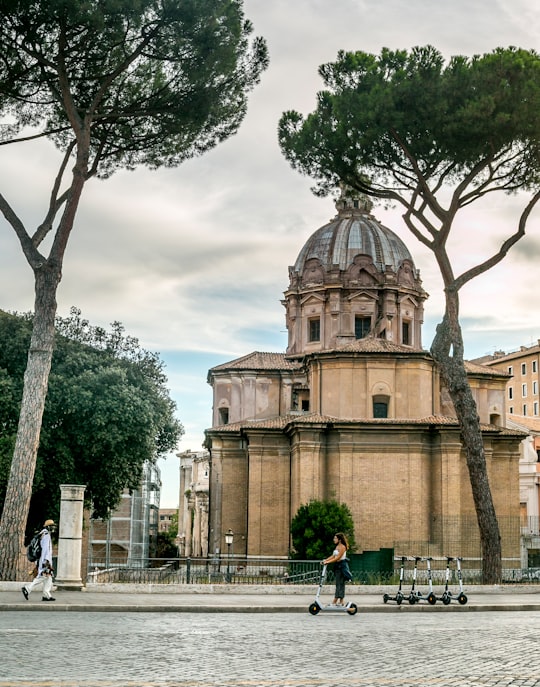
(194, 261)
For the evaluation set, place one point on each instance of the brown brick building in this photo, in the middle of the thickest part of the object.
(354, 410)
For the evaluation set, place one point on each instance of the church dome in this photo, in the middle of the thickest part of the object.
(352, 232)
(354, 278)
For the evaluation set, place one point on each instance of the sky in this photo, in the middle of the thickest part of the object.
(193, 261)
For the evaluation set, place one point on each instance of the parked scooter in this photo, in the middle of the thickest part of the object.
(414, 595)
(430, 598)
(398, 598)
(447, 595)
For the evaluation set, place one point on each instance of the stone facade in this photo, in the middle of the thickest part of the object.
(193, 499)
(354, 410)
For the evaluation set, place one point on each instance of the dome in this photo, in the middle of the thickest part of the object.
(352, 232)
(353, 279)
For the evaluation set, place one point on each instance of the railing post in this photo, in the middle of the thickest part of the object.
(188, 570)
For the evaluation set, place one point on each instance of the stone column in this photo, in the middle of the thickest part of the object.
(68, 574)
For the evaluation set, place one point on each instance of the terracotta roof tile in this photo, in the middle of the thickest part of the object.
(259, 361)
(475, 369)
(371, 344)
(315, 419)
(524, 422)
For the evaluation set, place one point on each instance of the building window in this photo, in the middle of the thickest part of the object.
(534, 366)
(523, 368)
(524, 409)
(305, 405)
(535, 388)
(380, 409)
(535, 408)
(380, 406)
(511, 410)
(315, 329)
(510, 392)
(223, 416)
(524, 391)
(362, 325)
(406, 333)
(510, 370)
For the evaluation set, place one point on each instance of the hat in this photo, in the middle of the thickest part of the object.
(48, 522)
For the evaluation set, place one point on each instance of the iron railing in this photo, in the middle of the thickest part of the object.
(271, 571)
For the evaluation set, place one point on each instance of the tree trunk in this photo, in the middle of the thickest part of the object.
(447, 351)
(13, 562)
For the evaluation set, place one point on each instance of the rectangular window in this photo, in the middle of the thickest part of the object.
(362, 325)
(315, 329)
(534, 366)
(535, 408)
(511, 410)
(510, 370)
(524, 409)
(535, 388)
(510, 392)
(523, 368)
(223, 416)
(380, 409)
(405, 333)
(524, 391)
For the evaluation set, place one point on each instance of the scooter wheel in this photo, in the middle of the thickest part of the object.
(462, 599)
(446, 599)
(352, 609)
(314, 608)
(432, 599)
(412, 600)
(399, 599)
(385, 598)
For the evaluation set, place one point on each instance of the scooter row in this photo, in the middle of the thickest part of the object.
(414, 596)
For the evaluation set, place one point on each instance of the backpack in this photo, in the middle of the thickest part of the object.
(33, 550)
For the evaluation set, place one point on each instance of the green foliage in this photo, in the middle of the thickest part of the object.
(151, 83)
(166, 546)
(406, 122)
(107, 412)
(314, 526)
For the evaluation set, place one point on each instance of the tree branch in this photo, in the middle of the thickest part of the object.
(55, 202)
(33, 256)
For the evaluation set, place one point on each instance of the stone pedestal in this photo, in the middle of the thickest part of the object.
(68, 574)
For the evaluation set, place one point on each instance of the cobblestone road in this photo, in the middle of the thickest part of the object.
(269, 650)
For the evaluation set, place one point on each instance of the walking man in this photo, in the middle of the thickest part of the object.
(45, 569)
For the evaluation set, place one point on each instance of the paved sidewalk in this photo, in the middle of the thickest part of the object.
(260, 599)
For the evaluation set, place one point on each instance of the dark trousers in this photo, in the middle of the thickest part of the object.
(340, 582)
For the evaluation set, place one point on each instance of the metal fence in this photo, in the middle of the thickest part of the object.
(271, 571)
(209, 571)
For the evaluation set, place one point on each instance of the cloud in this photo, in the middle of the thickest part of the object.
(194, 261)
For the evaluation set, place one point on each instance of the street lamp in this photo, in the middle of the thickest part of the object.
(229, 537)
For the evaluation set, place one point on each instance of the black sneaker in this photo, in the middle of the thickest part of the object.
(48, 598)
(25, 592)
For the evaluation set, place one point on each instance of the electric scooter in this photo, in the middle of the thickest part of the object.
(398, 598)
(414, 596)
(316, 606)
(447, 595)
(430, 598)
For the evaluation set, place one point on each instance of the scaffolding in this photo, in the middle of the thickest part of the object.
(128, 538)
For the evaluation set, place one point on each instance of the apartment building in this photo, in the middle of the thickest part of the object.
(522, 391)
